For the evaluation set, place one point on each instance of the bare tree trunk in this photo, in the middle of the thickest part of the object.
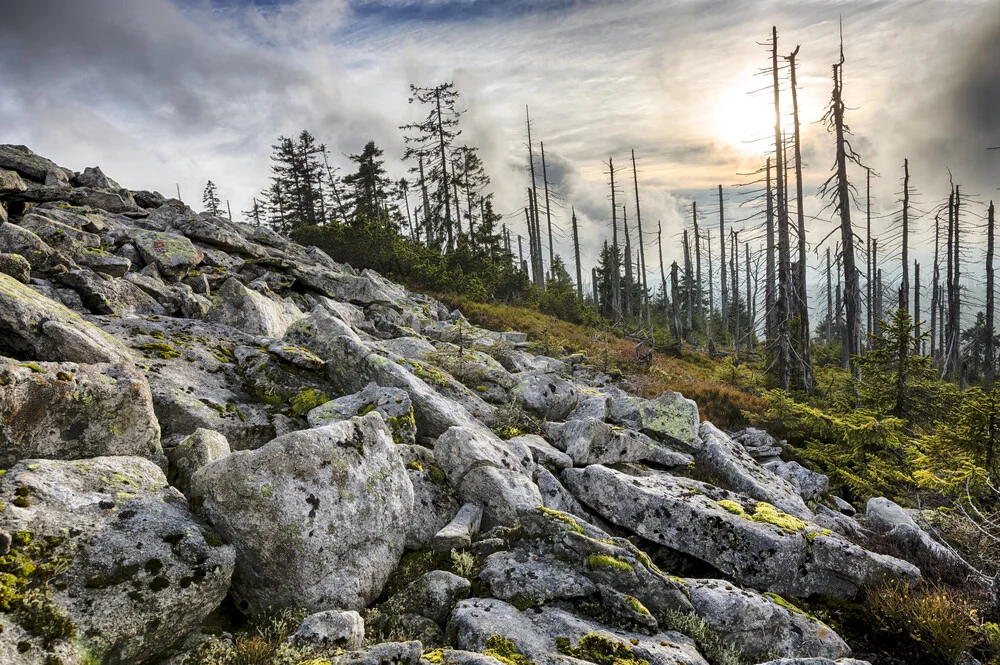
(469, 199)
(750, 317)
(916, 303)
(642, 242)
(956, 330)
(444, 171)
(593, 277)
(851, 291)
(711, 294)
(876, 290)
(697, 258)
(616, 287)
(688, 277)
(904, 287)
(770, 327)
(990, 353)
(548, 210)
(534, 185)
(829, 299)
(869, 275)
(935, 288)
(576, 253)
(629, 290)
(675, 298)
(663, 275)
(428, 220)
(803, 304)
(722, 252)
(531, 241)
(737, 331)
(520, 251)
(784, 300)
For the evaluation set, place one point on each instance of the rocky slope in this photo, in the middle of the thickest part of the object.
(193, 409)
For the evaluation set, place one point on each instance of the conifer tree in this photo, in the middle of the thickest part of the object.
(211, 199)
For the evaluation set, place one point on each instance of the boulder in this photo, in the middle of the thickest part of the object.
(331, 630)
(318, 517)
(547, 395)
(238, 307)
(145, 199)
(458, 533)
(811, 485)
(66, 238)
(432, 595)
(133, 569)
(392, 403)
(173, 255)
(485, 470)
(102, 262)
(669, 418)
(39, 255)
(750, 541)
(35, 327)
(434, 502)
(15, 266)
(544, 635)
(58, 178)
(93, 177)
(543, 452)
(22, 160)
(69, 411)
(217, 232)
(114, 202)
(555, 495)
(762, 626)
(10, 181)
(107, 295)
(363, 290)
(730, 466)
(203, 447)
(592, 441)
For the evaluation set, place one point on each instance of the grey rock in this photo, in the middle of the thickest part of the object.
(731, 467)
(94, 177)
(669, 418)
(145, 199)
(496, 474)
(387, 653)
(244, 309)
(816, 661)
(760, 627)
(69, 411)
(318, 517)
(458, 533)
(10, 181)
(842, 524)
(62, 237)
(592, 441)
(331, 630)
(22, 160)
(432, 595)
(16, 266)
(534, 632)
(112, 201)
(58, 178)
(173, 255)
(434, 502)
(591, 406)
(17, 240)
(33, 326)
(364, 290)
(102, 262)
(555, 495)
(883, 515)
(215, 231)
(811, 485)
(844, 506)
(203, 447)
(392, 403)
(547, 395)
(681, 514)
(543, 452)
(524, 580)
(107, 295)
(142, 570)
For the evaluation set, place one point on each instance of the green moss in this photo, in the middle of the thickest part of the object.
(505, 651)
(733, 507)
(415, 465)
(306, 400)
(811, 535)
(436, 475)
(160, 350)
(600, 650)
(572, 524)
(367, 409)
(33, 367)
(267, 491)
(768, 514)
(64, 376)
(636, 606)
(429, 374)
(605, 562)
(781, 602)
(25, 574)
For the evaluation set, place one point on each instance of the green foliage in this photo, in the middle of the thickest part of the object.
(600, 650)
(709, 642)
(264, 641)
(505, 651)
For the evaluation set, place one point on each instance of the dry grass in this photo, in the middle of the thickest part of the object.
(696, 375)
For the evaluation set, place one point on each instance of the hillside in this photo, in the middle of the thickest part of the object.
(225, 448)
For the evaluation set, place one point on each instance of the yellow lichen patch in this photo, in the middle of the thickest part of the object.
(768, 514)
(573, 525)
(600, 650)
(505, 651)
(605, 562)
(733, 507)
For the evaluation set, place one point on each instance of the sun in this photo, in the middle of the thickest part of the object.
(743, 120)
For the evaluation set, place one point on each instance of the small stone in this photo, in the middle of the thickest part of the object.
(331, 629)
(459, 532)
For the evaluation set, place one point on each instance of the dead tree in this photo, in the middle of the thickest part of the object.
(642, 242)
(688, 277)
(990, 354)
(904, 287)
(784, 296)
(534, 188)
(663, 275)
(770, 328)
(803, 296)
(675, 298)
(711, 293)
(548, 209)
(576, 253)
(722, 252)
(697, 259)
(616, 287)
(868, 249)
(829, 299)
(735, 246)
(916, 303)
(629, 290)
(750, 316)
(842, 195)
(935, 287)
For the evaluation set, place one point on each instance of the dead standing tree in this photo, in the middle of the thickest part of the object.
(839, 187)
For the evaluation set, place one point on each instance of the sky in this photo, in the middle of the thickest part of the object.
(166, 94)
